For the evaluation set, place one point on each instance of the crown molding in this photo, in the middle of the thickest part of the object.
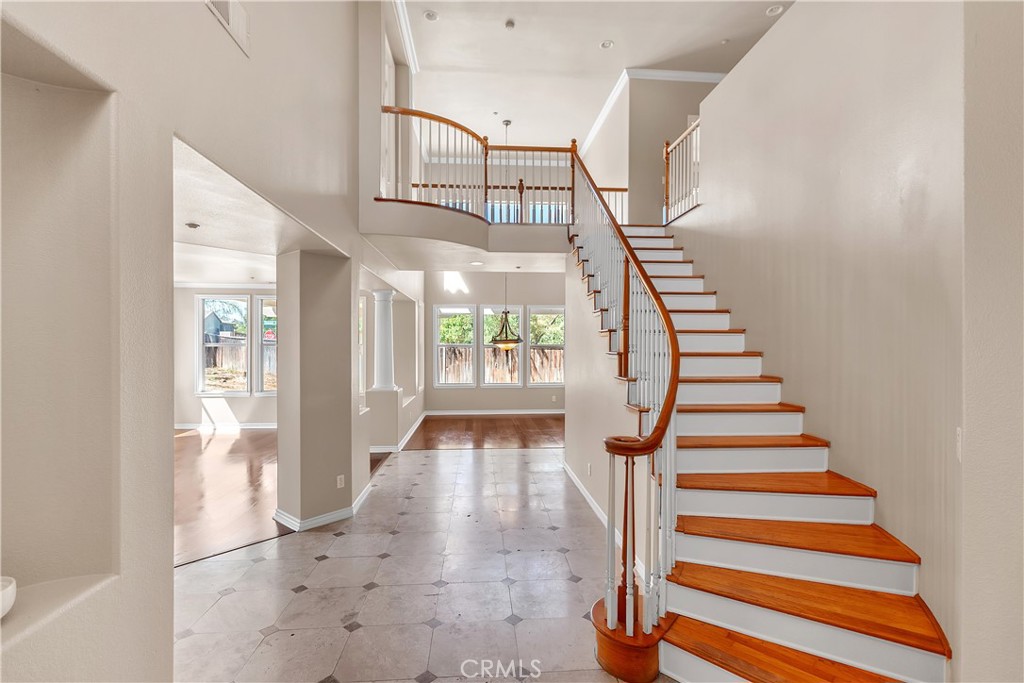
(405, 29)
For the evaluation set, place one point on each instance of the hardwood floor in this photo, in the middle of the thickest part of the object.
(449, 432)
(225, 491)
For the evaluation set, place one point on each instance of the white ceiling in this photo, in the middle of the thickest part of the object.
(415, 253)
(197, 264)
(549, 75)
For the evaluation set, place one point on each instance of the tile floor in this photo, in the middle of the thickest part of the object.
(455, 556)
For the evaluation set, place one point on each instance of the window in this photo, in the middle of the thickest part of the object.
(361, 343)
(455, 342)
(268, 344)
(547, 345)
(224, 352)
(500, 368)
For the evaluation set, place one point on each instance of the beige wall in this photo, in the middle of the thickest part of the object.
(226, 411)
(991, 551)
(607, 157)
(174, 70)
(488, 288)
(658, 111)
(832, 226)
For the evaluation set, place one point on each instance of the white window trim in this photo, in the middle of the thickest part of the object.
(200, 346)
(484, 344)
(526, 372)
(474, 345)
(257, 357)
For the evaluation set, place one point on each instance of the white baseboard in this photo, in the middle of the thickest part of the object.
(539, 411)
(405, 439)
(639, 568)
(228, 428)
(296, 524)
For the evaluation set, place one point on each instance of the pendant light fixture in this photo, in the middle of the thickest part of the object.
(505, 339)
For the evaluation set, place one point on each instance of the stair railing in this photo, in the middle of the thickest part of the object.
(618, 202)
(682, 177)
(649, 362)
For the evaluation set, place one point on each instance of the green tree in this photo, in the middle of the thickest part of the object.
(456, 328)
(547, 328)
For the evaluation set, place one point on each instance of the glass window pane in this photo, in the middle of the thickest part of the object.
(492, 321)
(268, 358)
(501, 367)
(225, 342)
(547, 329)
(455, 365)
(455, 325)
(269, 367)
(547, 366)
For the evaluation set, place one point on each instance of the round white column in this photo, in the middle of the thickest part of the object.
(383, 340)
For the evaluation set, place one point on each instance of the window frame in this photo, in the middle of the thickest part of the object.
(484, 345)
(257, 358)
(541, 309)
(474, 346)
(199, 339)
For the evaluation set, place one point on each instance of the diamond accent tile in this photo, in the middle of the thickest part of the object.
(184, 634)
(575, 579)
(370, 586)
(504, 552)
(508, 581)
(403, 513)
(513, 619)
(553, 528)
(227, 591)
(440, 583)
(329, 679)
(586, 615)
(320, 558)
(433, 623)
(353, 626)
(425, 677)
(394, 532)
(299, 589)
(384, 556)
(269, 630)
(563, 550)
(339, 533)
(259, 559)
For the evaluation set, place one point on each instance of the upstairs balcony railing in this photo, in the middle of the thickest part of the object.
(682, 173)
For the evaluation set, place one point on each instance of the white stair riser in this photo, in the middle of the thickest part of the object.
(712, 342)
(840, 570)
(646, 231)
(660, 255)
(669, 268)
(682, 666)
(719, 366)
(677, 284)
(740, 424)
(690, 301)
(849, 647)
(729, 392)
(701, 321)
(782, 506)
(651, 241)
(748, 460)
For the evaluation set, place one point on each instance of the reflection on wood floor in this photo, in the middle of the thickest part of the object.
(446, 432)
(225, 491)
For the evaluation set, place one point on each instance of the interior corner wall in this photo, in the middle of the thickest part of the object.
(658, 111)
(218, 411)
(488, 288)
(992, 549)
(607, 157)
(832, 225)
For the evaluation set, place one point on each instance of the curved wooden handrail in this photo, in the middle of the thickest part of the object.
(387, 109)
(670, 147)
(528, 148)
(631, 446)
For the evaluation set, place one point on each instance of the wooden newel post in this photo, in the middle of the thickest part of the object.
(572, 181)
(624, 336)
(521, 189)
(667, 145)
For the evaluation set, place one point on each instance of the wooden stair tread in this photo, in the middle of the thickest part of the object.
(805, 483)
(657, 261)
(684, 277)
(896, 618)
(735, 330)
(699, 310)
(759, 661)
(655, 248)
(857, 540)
(739, 408)
(720, 354)
(788, 441)
(732, 379)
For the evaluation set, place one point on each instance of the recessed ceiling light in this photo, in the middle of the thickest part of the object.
(725, 41)
(476, 263)
(606, 44)
(192, 225)
(774, 10)
(431, 15)
(510, 23)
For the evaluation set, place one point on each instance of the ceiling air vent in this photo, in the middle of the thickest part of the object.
(234, 18)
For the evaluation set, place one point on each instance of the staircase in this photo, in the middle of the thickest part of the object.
(778, 571)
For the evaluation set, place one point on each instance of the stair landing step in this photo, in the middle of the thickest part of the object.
(802, 483)
(796, 441)
(729, 379)
(740, 408)
(896, 618)
(857, 540)
(759, 661)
